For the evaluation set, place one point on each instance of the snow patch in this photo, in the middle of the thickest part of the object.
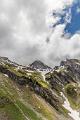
(43, 75)
(5, 75)
(73, 113)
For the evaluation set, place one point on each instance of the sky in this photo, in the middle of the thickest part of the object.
(46, 30)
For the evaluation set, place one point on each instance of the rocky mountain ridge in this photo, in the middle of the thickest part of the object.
(63, 82)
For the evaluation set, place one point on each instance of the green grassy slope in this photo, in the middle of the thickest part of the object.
(20, 101)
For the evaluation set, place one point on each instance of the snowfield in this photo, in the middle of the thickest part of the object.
(73, 113)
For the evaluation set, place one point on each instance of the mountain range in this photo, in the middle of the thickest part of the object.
(39, 92)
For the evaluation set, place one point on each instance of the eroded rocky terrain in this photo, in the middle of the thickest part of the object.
(30, 93)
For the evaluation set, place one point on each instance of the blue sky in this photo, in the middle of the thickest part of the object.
(70, 17)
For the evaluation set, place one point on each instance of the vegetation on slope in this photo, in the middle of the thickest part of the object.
(31, 97)
(73, 95)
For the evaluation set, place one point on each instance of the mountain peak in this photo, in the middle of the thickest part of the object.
(37, 64)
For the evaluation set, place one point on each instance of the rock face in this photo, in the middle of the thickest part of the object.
(73, 66)
(66, 73)
(64, 79)
(13, 76)
(40, 66)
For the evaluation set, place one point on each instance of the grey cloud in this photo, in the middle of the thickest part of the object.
(28, 54)
(32, 48)
(76, 46)
(55, 60)
(36, 14)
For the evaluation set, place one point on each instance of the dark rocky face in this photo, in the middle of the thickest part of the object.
(39, 65)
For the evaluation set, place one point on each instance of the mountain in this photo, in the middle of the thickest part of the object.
(40, 66)
(26, 95)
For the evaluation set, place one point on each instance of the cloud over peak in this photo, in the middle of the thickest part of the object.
(26, 35)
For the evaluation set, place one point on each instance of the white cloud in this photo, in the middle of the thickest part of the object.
(57, 4)
(24, 30)
(60, 48)
(78, 9)
(68, 17)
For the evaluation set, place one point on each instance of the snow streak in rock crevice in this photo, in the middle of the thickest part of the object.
(73, 113)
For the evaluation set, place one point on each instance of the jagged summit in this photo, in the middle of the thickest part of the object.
(40, 66)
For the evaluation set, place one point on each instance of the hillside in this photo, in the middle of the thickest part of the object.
(25, 94)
